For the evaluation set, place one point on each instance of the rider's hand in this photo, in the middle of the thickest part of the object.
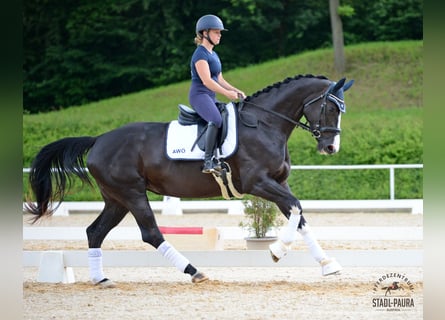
(232, 95)
(241, 94)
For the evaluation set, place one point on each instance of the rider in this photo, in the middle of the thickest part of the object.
(207, 80)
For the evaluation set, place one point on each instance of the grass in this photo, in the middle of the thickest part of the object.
(383, 123)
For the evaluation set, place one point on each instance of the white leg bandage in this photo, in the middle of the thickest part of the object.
(95, 264)
(314, 248)
(289, 234)
(172, 255)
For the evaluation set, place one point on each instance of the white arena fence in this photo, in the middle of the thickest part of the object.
(174, 206)
(390, 167)
(356, 233)
(233, 258)
(56, 266)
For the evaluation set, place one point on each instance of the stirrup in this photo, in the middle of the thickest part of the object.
(208, 170)
(211, 166)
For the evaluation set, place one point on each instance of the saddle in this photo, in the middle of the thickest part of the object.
(187, 116)
(181, 142)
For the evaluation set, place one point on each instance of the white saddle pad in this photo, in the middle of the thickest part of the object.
(180, 139)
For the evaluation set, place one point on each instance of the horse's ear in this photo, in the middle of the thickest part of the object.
(338, 85)
(348, 85)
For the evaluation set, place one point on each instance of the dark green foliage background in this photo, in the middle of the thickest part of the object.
(80, 51)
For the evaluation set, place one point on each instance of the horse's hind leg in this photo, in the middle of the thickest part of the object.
(110, 217)
(141, 210)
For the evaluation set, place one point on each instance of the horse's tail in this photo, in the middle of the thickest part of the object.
(56, 163)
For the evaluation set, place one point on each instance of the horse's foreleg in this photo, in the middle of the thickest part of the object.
(287, 236)
(291, 208)
(296, 223)
(281, 195)
(328, 265)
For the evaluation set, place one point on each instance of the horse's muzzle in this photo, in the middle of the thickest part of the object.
(329, 149)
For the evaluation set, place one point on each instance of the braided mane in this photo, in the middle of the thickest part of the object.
(278, 84)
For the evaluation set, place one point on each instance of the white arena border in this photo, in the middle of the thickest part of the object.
(57, 266)
(235, 258)
(176, 206)
(236, 233)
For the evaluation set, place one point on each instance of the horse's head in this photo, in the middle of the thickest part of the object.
(324, 116)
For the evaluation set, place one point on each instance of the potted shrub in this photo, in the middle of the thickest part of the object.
(261, 219)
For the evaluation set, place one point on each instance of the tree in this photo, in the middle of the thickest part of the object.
(337, 36)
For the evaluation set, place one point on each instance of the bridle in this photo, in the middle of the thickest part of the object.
(318, 129)
(327, 95)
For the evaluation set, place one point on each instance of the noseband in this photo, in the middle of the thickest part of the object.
(318, 129)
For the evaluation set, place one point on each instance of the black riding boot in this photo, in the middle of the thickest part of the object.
(211, 134)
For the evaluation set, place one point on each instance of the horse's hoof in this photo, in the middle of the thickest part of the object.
(199, 277)
(274, 258)
(330, 267)
(105, 283)
(278, 250)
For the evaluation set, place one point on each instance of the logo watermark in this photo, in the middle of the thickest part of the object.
(393, 292)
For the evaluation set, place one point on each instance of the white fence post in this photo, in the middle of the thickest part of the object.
(391, 184)
(171, 206)
(52, 268)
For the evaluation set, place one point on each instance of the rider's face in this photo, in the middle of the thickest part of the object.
(215, 35)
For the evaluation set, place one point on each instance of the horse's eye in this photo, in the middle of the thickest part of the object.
(331, 109)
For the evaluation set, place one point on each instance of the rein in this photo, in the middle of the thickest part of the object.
(279, 115)
(318, 128)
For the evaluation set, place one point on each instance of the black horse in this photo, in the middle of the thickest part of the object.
(128, 161)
